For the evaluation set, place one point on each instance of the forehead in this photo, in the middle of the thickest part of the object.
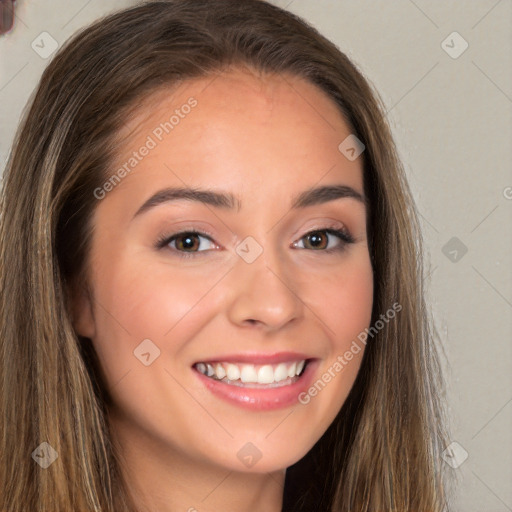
(237, 129)
(237, 90)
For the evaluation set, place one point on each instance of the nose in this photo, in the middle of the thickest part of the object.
(261, 293)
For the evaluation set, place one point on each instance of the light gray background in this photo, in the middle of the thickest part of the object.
(451, 119)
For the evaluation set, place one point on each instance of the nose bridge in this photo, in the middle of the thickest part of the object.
(262, 286)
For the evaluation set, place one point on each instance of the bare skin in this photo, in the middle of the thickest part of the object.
(265, 139)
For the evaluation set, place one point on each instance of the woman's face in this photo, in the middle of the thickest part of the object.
(264, 284)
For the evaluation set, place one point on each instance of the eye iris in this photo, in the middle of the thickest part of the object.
(314, 239)
(188, 241)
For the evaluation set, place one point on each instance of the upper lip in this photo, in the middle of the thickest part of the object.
(257, 358)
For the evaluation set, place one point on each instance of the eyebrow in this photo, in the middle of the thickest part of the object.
(228, 201)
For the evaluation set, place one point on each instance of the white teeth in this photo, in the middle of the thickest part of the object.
(233, 372)
(210, 372)
(220, 373)
(266, 374)
(249, 373)
(281, 372)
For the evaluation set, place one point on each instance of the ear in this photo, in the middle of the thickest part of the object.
(82, 310)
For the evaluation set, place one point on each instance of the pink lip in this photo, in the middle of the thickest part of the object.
(258, 358)
(258, 399)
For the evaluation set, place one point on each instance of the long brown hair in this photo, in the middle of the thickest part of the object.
(382, 452)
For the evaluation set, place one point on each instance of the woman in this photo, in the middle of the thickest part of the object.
(211, 278)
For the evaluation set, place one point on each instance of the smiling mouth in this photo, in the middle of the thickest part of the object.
(253, 375)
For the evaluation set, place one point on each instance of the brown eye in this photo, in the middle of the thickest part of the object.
(319, 240)
(187, 241)
(316, 240)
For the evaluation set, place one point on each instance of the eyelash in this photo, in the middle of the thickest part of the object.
(342, 234)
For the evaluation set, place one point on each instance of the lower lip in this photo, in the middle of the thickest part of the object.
(261, 399)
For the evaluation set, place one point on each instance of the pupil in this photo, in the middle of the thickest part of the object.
(188, 242)
(315, 240)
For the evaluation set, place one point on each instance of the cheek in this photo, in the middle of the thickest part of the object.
(138, 300)
(343, 298)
